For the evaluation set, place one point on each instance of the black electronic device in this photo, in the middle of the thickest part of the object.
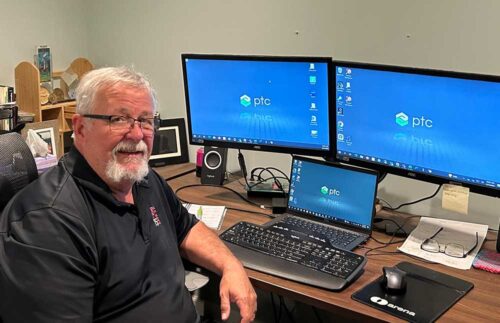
(293, 256)
(419, 123)
(423, 124)
(266, 103)
(213, 170)
(393, 280)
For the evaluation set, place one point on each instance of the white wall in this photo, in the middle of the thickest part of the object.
(151, 34)
(26, 24)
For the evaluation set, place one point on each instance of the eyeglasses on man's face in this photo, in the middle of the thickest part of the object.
(450, 249)
(123, 124)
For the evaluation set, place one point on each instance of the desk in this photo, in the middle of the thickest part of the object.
(482, 303)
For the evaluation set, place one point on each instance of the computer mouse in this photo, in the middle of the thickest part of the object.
(394, 280)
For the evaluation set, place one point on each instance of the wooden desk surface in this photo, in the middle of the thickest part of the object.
(481, 304)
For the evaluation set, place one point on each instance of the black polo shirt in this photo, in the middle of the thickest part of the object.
(69, 251)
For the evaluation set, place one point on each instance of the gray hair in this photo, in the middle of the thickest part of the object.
(95, 80)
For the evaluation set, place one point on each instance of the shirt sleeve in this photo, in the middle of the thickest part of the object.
(45, 272)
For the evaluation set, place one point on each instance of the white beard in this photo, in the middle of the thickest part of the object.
(117, 173)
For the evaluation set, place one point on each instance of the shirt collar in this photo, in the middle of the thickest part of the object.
(80, 169)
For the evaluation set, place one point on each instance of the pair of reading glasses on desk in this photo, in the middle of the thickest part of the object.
(450, 249)
(124, 124)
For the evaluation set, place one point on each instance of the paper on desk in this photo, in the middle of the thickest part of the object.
(454, 232)
(211, 215)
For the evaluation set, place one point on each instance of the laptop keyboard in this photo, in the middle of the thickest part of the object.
(336, 237)
(295, 257)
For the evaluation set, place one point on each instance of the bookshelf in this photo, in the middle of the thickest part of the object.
(27, 82)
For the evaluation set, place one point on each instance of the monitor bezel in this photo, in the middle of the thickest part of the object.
(264, 147)
(382, 168)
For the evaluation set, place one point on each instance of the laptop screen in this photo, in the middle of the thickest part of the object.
(337, 193)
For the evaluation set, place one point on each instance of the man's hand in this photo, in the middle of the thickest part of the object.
(236, 287)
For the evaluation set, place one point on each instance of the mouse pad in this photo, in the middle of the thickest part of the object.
(428, 294)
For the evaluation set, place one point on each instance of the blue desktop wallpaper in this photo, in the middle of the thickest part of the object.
(441, 125)
(283, 103)
(343, 195)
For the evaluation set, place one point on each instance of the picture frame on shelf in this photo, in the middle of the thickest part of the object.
(170, 143)
(43, 60)
(48, 131)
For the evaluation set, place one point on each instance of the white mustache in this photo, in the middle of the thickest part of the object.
(130, 147)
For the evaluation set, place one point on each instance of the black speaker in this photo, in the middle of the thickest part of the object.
(214, 166)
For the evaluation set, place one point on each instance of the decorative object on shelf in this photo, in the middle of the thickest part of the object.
(44, 95)
(49, 132)
(27, 81)
(170, 144)
(44, 63)
(56, 96)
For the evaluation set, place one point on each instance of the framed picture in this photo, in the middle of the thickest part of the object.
(48, 131)
(170, 144)
(43, 61)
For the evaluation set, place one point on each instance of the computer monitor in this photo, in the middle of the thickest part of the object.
(267, 103)
(436, 126)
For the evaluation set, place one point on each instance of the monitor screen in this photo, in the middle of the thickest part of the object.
(334, 192)
(431, 125)
(259, 102)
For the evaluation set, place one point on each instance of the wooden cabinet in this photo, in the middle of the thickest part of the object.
(27, 82)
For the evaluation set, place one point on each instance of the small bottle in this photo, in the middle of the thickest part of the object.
(199, 160)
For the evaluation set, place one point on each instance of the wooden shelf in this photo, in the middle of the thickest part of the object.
(27, 81)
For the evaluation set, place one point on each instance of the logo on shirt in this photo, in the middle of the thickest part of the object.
(154, 215)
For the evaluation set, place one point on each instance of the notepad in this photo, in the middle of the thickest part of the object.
(211, 215)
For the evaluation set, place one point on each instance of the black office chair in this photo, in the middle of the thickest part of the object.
(17, 166)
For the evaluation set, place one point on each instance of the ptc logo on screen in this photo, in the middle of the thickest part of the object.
(416, 122)
(401, 119)
(245, 100)
(329, 191)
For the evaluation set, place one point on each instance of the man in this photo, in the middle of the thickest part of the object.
(100, 236)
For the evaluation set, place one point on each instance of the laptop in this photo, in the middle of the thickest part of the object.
(329, 202)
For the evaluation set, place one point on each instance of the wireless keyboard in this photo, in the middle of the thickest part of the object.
(293, 256)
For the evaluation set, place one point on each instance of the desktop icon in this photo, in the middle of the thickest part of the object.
(340, 137)
(312, 79)
(313, 119)
(314, 133)
(311, 67)
(339, 70)
(340, 124)
(313, 106)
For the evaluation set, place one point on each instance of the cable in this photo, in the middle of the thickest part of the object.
(381, 199)
(417, 201)
(269, 170)
(400, 228)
